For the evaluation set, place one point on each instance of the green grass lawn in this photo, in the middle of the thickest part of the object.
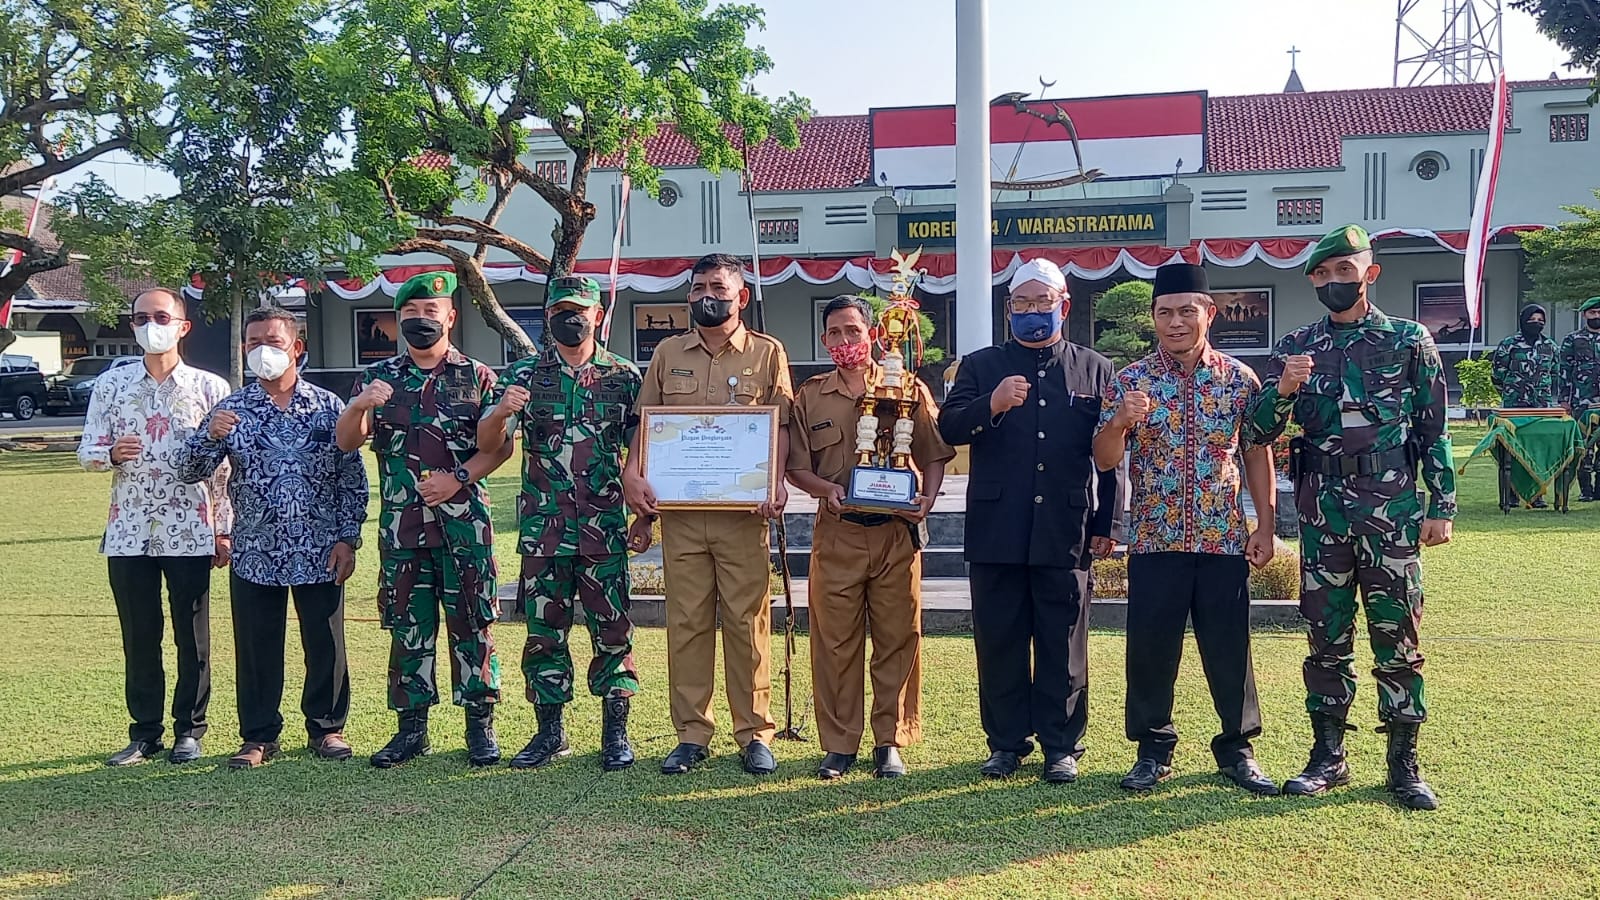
(1512, 635)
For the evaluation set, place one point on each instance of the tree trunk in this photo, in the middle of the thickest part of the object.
(236, 336)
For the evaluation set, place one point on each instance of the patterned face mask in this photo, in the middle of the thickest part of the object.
(851, 356)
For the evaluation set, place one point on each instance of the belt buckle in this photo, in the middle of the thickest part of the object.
(1349, 465)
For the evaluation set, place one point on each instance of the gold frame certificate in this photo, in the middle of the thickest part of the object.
(710, 457)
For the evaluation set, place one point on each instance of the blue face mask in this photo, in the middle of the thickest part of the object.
(1036, 326)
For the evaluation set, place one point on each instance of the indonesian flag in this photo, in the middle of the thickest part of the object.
(1137, 136)
(1483, 206)
(616, 258)
(15, 256)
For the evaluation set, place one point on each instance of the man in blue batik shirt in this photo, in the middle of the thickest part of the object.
(299, 502)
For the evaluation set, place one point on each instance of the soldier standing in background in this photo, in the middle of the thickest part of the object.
(421, 410)
(1525, 369)
(1369, 393)
(1580, 391)
(576, 409)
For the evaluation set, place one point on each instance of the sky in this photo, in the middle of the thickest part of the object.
(846, 56)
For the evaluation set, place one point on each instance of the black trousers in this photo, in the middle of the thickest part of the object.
(136, 589)
(1016, 608)
(260, 613)
(1164, 591)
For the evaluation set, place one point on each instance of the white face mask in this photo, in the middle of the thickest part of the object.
(268, 362)
(156, 338)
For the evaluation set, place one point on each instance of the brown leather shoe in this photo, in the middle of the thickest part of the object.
(254, 753)
(329, 746)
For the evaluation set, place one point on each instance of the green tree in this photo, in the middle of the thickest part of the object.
(1564, 262)
(930, 353)
(78, 79)
(1129, 329)
(469, 79)
(1575, 26)
(256, 116)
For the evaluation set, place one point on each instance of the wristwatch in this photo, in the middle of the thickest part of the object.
(354, 541)
(462, 475)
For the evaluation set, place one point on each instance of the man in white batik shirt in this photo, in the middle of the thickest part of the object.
(138, 419)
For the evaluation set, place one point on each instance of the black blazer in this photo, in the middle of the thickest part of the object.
(1034, 496)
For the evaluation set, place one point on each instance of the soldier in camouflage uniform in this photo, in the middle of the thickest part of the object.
(576, 409)
(1525, 368)
(1580, 392)
(421, 411)
(1369, 392)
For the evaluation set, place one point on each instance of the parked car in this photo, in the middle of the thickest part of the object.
(69, 392)
(22, 388)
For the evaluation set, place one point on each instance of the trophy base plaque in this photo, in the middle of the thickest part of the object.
(877, 489)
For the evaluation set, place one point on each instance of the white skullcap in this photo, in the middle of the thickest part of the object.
(1041, 270)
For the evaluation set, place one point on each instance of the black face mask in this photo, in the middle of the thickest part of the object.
(1532, 330)
(421, 332)
(1593, 322)
(709, 312)
(570, 327)
(1339, 296)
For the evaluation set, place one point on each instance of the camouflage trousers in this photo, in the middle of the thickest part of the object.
(1389, 573)
(550, 590)
(412, 587)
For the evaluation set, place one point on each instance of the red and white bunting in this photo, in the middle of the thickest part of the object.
(1478, 234)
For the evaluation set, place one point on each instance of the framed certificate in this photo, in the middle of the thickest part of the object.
(710, 457)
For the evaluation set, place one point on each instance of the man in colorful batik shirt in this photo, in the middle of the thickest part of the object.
(159, 527)
(1179, 411)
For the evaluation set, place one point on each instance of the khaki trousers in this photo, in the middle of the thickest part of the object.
(865, 576)
(718, 563)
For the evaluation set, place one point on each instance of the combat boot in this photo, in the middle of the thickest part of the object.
(549, 743)
(616, 752)
(1326, 768)
(409, 742)
(1405, 779)
(483, 749)
(1585, 483)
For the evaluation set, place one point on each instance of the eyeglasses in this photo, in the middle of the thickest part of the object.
(160, 318)
(1030, 306)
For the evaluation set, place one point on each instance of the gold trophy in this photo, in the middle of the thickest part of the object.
(883, 479)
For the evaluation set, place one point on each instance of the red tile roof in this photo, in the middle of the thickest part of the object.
(834, 152)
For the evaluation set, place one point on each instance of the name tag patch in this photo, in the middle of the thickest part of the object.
(689, 372)
(825, 423)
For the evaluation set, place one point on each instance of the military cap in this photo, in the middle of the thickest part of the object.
(574, 289)
(1346, 240)
(1591, 303)
(427, 286)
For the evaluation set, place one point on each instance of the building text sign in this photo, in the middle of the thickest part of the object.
(1132, 223)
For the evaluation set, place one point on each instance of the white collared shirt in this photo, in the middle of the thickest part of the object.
(152, 512)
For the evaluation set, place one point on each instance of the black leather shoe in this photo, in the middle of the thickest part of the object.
(683, 758)
(1060, 768)
(1001, 764)
(1326, 768)
(1146, 774)
(184, 750)
(758, 759)
(1540, 504)
(549, 743)
(408, 743)
(135, 753)
(886, 763)
(616, 751)
(1405, 778)
(483, 746)
(834, 765)
(1248, 775)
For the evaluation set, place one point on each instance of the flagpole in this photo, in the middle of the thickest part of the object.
(974, 261)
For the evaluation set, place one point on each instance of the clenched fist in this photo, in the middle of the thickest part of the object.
(1008, 394)
(515, 399)
(1296, 370)
(126, 447)
(1134, 408)
(375, 395)
(223, 422)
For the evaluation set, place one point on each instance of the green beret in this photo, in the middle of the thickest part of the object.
(1591, 303)
(1346, 240)
(574, 289)
(427, 286)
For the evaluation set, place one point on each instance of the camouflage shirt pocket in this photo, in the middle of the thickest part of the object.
(1385, 379)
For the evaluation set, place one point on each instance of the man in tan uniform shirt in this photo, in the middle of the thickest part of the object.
(866, 568)
(717, 562)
